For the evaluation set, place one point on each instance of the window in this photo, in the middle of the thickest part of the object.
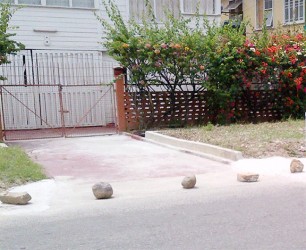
(264, 13)
(58, 3)
(83, 3)
(139, 9)
(64, 3)
(268, 11)
(33, 2)
(205, 7)
(7, 1)
(294, 11)
(172, 6)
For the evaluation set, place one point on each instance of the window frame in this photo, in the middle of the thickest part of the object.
(295, 20)
(154, 7)
(44, 4)
(182, 6)
(259, 23)
(268, 10)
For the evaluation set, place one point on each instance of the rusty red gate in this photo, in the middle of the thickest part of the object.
(55, 93)
(36, 111)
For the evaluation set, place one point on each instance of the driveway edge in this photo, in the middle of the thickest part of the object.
(199, 147)
(192, 148)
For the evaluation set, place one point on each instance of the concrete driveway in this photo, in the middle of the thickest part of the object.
(114, 158)
(137, 170)
(149, 212)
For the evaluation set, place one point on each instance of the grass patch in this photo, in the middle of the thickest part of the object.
(284, 138)
(17, 168)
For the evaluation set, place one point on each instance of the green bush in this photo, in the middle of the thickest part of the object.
(7, 45)
(229, 66)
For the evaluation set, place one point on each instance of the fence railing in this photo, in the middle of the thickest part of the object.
(155, 108)
(39, 67)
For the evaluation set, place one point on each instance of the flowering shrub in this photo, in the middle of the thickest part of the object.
(229, 66)
(278, 67)
(166, 57)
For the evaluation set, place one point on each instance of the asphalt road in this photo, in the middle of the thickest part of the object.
(220, 213)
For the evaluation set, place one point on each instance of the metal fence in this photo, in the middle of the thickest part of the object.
(52, 94)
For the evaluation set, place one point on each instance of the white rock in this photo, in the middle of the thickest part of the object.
(102, 190)
(189, 181)
(296, 166)
(15, 198)
(247, 177)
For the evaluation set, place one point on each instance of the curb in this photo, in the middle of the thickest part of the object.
(180, 149)
(208, 150)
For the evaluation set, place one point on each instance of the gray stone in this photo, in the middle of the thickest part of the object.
(296, 166)
(189, 181)
(15, 198)
(247, 177)
(102, 190)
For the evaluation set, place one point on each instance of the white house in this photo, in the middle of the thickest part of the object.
(62, 40)
(71, 24)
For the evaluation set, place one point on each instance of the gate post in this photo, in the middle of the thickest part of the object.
(60, 93)
(1, 129)
(120, 75)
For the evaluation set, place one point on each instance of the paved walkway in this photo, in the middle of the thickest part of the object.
(114, 158)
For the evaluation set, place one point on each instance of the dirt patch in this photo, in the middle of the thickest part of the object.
(285, 139)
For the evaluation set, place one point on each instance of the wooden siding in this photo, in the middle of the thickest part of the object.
(66, 28)
(69, 28)
(41, 27)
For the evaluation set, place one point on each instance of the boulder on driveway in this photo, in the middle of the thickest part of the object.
(296, 166)
(247, 177)
(15, 198)
(189, 182)
(102, 190)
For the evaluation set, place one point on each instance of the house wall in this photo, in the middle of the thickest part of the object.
(249, 13)
(60, 28)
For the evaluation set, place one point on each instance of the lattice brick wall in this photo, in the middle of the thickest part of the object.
(193, 108)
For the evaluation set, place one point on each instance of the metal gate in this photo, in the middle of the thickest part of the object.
(53, 94)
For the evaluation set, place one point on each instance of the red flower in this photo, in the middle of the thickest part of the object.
(273, 49)
(289, 102)
(298, 83)
(299, 37)
(293, 60)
